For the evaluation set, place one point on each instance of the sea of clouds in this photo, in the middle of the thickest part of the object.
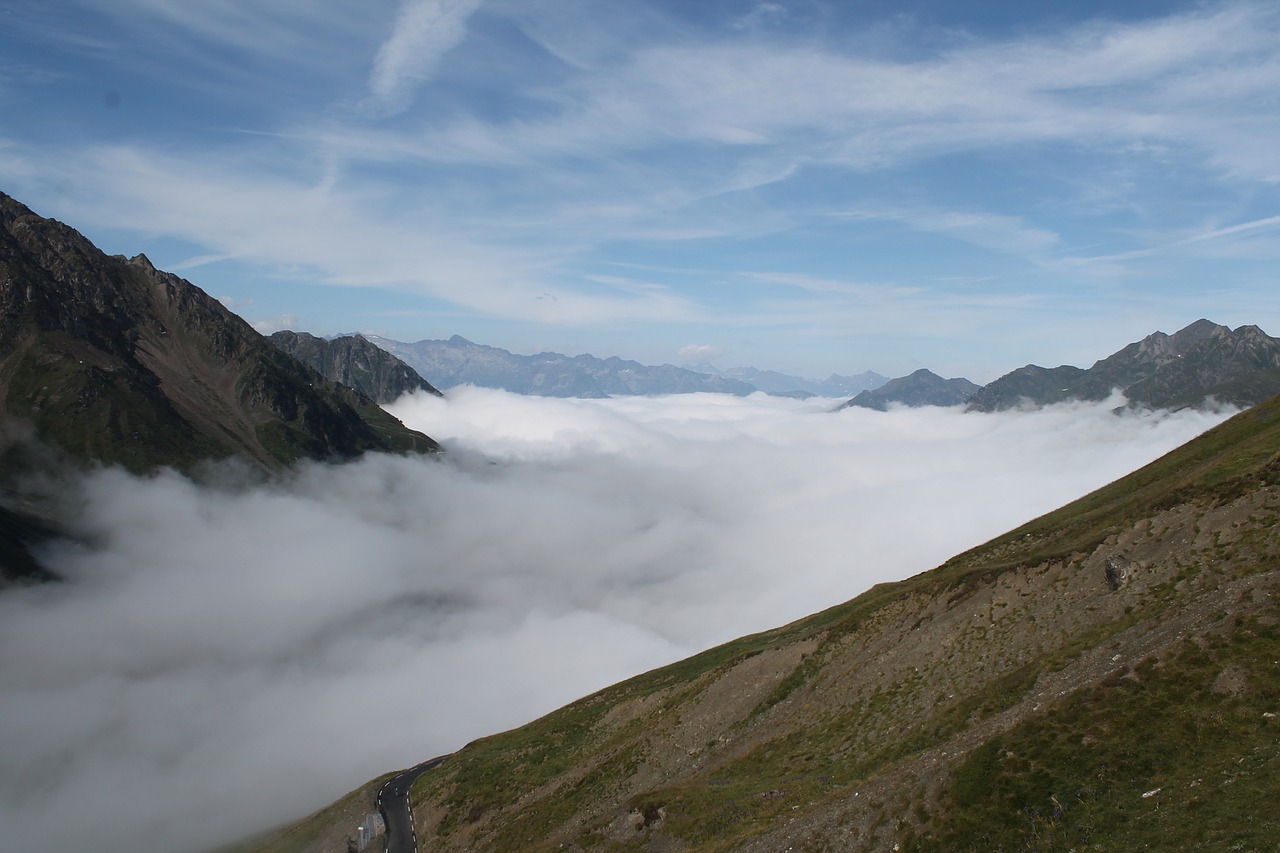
(223, 659)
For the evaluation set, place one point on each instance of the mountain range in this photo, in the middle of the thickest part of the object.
(459, 361)
(1202, 364)
(1101, 678)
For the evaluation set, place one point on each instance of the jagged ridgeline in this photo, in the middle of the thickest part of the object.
(109, 360)
(1102, 678)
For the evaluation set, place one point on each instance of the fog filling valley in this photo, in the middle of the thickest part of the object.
(220, 660)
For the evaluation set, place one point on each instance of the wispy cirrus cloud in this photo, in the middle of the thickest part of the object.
(1098, 82)
(998, 232)
(1228, 233)
(697, 353)
(332, 236)
(424, 31)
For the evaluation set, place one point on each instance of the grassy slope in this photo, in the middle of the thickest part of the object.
(1008, 699)
(727, 799)
(1190, 732)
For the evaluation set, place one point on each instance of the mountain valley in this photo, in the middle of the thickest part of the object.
(1102, 677)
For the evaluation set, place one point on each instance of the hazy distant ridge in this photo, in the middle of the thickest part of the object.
(785, 385)
(459, 361)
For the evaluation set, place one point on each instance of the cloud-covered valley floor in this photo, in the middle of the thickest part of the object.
(220, 660)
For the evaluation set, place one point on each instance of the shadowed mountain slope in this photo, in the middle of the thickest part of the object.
(112, 361)
(1101, 678)
(1239, 367)
(355, 362)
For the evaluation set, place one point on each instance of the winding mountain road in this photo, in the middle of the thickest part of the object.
(397, 814)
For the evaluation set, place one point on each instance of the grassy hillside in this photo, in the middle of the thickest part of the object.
(1025, 695)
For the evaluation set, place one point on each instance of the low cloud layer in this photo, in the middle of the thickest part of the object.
(221, 660)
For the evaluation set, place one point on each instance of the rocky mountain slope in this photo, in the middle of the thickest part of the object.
(1240, 367)
(355, 362)
(109, 360)
(458, 361)
(922, 388)
(1102, 678)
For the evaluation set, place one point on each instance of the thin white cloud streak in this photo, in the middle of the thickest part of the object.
(271, 325)
(1007, 234)
(345, 237)
(222, 660)
(1246, 229)
(290, 31)
(425, 30)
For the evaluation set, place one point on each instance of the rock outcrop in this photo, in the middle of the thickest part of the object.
(355, 362)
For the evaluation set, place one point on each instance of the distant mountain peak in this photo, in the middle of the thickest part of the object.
(141, 260)
(356, 362)
(921, 388)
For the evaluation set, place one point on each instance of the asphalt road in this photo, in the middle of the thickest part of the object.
(393, 803)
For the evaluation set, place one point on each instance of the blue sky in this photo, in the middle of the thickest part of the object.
(811, 187)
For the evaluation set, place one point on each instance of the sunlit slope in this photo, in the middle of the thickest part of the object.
(1028, 693)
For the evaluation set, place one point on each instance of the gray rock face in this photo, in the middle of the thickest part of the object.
(355, 362)
(1116, 569)
(458, 361)
(1202, 361)
(922, 388)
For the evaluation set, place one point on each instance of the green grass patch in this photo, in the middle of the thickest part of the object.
(1075, 777)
